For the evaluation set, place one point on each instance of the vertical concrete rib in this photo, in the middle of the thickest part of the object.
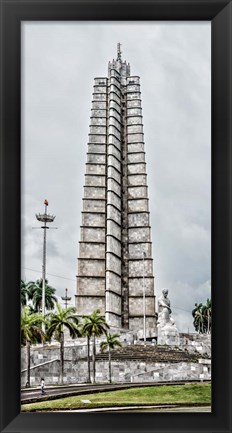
(124, 243)
(91, 262)
(139, 230)
(113, 206)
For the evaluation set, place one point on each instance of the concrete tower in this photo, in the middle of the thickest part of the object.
(115, 265)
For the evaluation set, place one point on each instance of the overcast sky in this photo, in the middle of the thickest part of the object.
(59, 63)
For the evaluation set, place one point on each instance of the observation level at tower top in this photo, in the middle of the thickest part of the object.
(122, 67)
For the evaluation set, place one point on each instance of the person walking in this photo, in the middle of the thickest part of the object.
(42, 386)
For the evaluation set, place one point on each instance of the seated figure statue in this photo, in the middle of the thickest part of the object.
(164, 310)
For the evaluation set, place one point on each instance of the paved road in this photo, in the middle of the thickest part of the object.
(147, 409)
(29, 395)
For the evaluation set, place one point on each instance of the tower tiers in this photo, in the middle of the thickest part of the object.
(115, 263)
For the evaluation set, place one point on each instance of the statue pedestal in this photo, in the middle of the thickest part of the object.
(168, 334)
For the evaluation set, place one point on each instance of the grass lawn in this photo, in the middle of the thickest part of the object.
(189, 394)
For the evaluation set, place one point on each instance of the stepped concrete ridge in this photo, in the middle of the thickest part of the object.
(151, 353)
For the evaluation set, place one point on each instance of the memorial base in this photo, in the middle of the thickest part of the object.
(168, 335)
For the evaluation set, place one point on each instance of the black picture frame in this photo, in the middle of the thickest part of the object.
(13, 12)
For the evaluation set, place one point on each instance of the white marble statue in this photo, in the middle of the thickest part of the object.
(164, 310)
(167, 331)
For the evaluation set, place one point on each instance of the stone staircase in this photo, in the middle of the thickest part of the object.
(150, 353)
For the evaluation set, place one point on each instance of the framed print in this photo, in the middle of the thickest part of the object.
(115, 276)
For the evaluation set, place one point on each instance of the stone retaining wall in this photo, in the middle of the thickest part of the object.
(200, 343)
(45, 363)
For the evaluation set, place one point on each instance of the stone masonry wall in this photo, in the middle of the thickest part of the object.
(75, 369)
(45, 362)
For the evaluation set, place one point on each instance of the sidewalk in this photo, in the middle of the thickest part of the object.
(196, 409)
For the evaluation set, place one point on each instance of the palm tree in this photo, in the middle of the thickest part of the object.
(208, 312)
(205, 319)
(86, 334)
(109, 344)
(31, 333)
(202, 317)
(95, 326)
(198, 316)
(35, 290)
(63, 318)
(24, 293)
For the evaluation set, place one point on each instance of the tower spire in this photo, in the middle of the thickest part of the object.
(119, 52)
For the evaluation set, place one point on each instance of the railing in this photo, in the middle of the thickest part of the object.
(41, 364)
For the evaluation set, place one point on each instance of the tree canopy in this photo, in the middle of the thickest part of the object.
(34, 291)
(202, 317)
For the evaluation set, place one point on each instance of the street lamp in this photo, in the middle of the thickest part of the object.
(144, 304)
(66, 298)
(45, 218)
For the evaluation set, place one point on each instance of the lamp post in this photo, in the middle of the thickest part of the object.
(45, 218)
(144, 304)
(66, 298)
